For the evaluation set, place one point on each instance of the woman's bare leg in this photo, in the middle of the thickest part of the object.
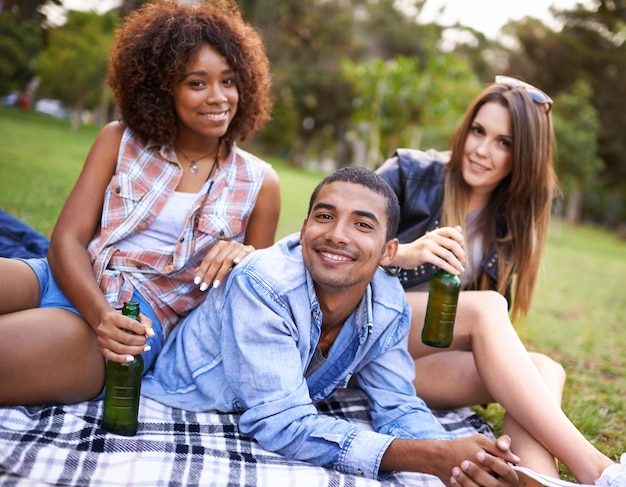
(19, 288)
(458, 384)
(46, 354)
(527, 447)
(505, 371)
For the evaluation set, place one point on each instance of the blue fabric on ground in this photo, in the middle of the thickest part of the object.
(17, 239)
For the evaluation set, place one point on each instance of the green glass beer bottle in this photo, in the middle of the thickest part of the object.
(123, 385)
(443, 295)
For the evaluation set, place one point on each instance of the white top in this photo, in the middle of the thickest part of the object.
(165, 230)
(473, 249)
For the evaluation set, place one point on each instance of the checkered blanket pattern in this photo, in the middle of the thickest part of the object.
(64, 446)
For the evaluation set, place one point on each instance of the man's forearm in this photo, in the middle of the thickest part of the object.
(426, 456)
(440, 457)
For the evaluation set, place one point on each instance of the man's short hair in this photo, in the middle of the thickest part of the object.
(371, 180)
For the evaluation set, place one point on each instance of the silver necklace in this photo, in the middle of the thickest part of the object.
(193, 163)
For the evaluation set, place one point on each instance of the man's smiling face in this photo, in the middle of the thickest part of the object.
(343, 239)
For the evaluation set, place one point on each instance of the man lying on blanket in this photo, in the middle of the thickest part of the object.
(294, 322)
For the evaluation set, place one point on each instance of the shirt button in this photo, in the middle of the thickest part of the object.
(315, 315)
(359, 472)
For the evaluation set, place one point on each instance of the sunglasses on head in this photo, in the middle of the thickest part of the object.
(536, 94)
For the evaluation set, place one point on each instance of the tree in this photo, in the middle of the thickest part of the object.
(305, 40)
(73, 66)
(591, 46)
(387, 100)
(26, 10)
(19, 43)
(396, 101)
(127, 6)
(309, 40)
(577, 163)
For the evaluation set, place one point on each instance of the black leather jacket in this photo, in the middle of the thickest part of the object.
(417, 177)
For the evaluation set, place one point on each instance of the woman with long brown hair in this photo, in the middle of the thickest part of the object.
(482, 212)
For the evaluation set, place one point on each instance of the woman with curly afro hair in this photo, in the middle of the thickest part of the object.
(165, 205)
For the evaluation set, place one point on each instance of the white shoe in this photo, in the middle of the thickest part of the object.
(530, 478)
(614, 475)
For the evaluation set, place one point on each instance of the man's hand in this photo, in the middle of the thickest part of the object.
(469, 461)
(488, 469)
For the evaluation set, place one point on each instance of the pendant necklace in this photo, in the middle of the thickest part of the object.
(193, 163)
(215, 165)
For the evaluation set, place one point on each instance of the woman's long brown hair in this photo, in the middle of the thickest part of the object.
(523, 199)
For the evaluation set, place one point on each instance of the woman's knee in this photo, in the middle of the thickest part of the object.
(482, 310)
(551, 371)
(494, 301)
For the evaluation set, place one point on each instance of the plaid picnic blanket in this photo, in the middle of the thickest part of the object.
(64, 445)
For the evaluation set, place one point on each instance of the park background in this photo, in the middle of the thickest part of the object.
(354, 79)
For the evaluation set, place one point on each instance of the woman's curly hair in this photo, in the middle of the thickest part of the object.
(152, 48)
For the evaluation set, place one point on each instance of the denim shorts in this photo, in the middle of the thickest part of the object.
(52, 297)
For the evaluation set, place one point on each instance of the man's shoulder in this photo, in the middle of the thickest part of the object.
(279, 266)
(387, 291)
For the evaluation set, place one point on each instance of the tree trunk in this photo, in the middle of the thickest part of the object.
(573, 207)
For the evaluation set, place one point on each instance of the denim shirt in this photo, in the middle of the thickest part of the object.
(247, 347)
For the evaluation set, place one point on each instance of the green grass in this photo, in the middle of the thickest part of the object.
(578, 315)
(39, 163)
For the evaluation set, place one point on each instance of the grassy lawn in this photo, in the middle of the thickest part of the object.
(578, 316)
